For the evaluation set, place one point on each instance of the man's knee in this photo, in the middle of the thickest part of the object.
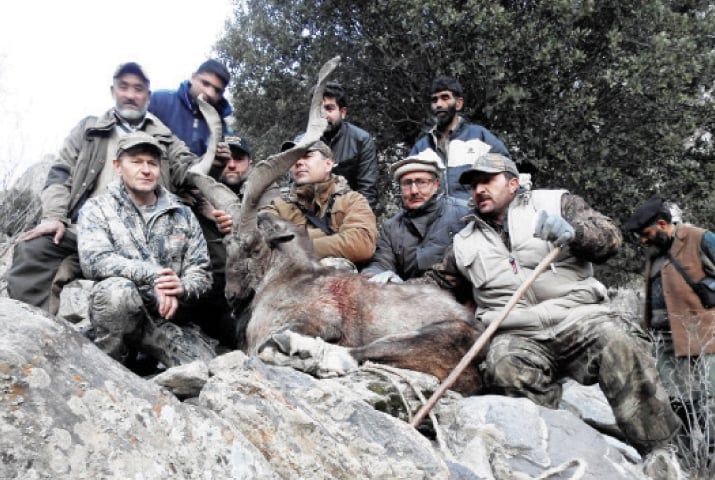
(34, 265)
(116, 313)
(114, 298)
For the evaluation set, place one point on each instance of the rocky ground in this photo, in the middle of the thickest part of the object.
(68, 411)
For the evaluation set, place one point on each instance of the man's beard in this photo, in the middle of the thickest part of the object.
(661, 242)
(131, 114)
(332, 129)
(446, 117)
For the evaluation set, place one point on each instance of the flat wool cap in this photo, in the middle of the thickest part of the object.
(425, 161)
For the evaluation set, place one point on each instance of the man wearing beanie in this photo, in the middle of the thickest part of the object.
(682, 325)
(178, 109)
(416, 238)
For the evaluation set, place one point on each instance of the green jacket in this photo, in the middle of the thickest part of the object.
(80, 161)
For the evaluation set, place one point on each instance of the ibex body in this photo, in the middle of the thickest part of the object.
(418, 327)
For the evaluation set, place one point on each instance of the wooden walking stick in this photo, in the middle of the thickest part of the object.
(483, 339)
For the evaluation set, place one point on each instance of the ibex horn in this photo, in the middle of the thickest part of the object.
(483, 339)
(264, 173)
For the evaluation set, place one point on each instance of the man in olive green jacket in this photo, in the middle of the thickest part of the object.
(45, 258)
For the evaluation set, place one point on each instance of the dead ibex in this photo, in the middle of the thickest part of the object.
(417, 327)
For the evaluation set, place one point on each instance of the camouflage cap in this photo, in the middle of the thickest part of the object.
(318, 146)
(489, 163)
(134, 139)
(238, 143)
(425, 161)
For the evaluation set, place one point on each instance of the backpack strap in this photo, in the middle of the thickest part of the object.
(322, 223)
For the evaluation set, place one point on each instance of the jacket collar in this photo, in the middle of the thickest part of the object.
(318, 194)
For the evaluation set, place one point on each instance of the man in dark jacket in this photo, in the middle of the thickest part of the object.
(416, 238)
(353, 148)
(215, 224)
(178, 109)
(457, 142)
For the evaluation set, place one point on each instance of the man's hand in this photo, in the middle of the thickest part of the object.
(168, 288)
(223, 154)
(223, 220)
(167, 304)
(553, 228)
(46, 227)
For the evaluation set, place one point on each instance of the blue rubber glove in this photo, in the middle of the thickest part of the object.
(553, 228)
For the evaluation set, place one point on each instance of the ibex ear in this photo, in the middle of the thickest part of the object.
(282, 237)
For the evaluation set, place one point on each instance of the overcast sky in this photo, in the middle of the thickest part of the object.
(57, 58)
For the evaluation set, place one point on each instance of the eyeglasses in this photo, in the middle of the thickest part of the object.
(420, 183)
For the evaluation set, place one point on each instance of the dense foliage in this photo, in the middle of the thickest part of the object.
(609, 99)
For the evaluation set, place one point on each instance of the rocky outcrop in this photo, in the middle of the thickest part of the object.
(68, 411)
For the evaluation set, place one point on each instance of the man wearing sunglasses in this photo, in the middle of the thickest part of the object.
(415, 239)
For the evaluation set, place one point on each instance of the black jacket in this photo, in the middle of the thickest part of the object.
(414, 240)
(355, 159)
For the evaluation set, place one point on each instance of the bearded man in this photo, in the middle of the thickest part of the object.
(457, 142)
(684, 328)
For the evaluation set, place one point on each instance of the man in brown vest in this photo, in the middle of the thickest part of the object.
(683, 328)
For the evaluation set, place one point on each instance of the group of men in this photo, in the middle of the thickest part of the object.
(118, 204)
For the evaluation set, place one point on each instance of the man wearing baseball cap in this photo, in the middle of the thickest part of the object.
(415, 238)
(45, 258)
(339, 220)
(562, 326)
(145, 250)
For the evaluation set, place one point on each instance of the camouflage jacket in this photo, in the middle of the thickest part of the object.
(113, 240)
(494, 269)
(351, 218)
(81, 158)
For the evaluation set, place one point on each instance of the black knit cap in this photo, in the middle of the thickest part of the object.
(217, 68)
(644, 216)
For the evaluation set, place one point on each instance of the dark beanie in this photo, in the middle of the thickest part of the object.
(645, 215)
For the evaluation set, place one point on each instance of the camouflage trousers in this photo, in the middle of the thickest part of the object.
(599, 349)
(123, 321)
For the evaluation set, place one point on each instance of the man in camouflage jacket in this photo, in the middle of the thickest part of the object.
(146, 250)
(562, 326)
(45, 258)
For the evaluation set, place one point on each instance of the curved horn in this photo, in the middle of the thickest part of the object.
(266, 172)
(218, 194)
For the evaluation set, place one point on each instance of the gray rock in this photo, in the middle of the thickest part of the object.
(184, 381)
(508, 438)
(68, 411)
(315, 429)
